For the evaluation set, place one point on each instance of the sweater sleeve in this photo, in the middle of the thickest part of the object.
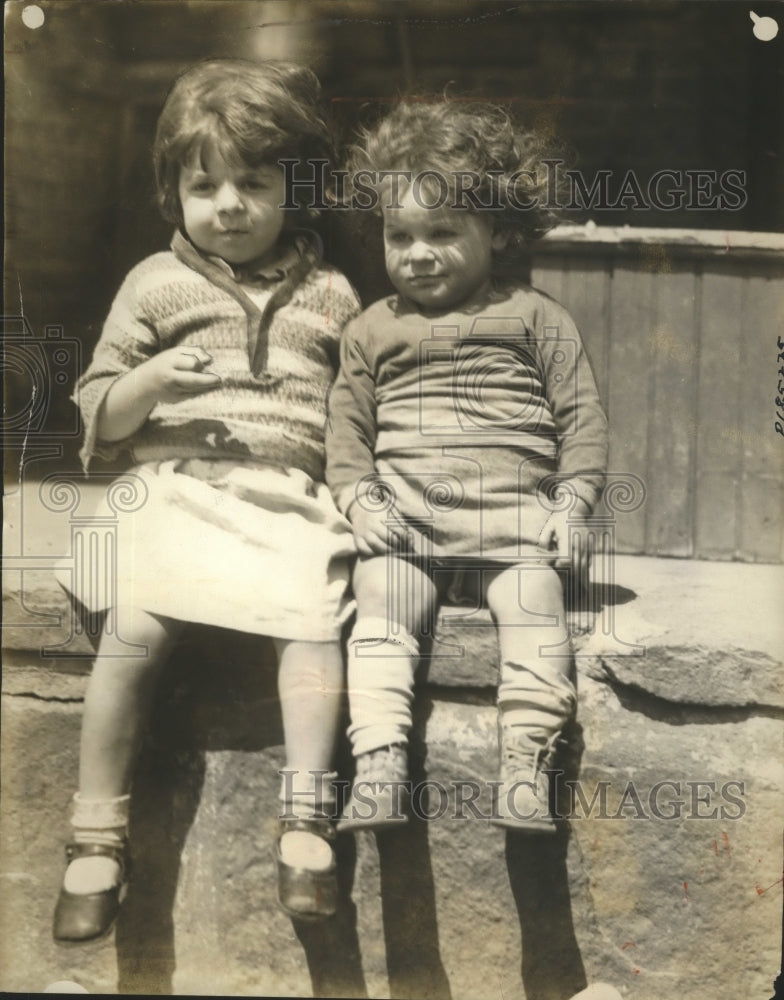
(351, 423)
(581, 424)
(126, 341)
(341, 305)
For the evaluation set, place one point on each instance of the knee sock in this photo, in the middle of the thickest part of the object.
(536, 698)
(380, 684)
(97, 821)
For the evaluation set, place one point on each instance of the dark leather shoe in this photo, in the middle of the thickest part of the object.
(302, 893)
(86, 917)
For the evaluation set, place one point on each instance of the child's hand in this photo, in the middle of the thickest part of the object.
(568, 532)
(377, 532)
(175, 374)
(168, 377)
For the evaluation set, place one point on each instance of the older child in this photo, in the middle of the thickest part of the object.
(465, 434)
(213, 371)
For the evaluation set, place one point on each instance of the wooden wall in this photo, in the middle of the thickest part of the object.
(681, 330)
(683, 341)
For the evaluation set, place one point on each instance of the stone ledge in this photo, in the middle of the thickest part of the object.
(676, 906)
(687, 632)
(678, 691)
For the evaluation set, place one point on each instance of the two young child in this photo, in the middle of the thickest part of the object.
(214, 369)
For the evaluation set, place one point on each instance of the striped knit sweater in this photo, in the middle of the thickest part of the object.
(276, 363)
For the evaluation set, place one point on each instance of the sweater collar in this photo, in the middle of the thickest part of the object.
(299, 254)
(299, 247)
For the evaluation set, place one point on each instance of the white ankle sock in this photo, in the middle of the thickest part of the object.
(96, 821)
(306, 794)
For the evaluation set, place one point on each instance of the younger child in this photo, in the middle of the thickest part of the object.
(465, 441)
(213, 371)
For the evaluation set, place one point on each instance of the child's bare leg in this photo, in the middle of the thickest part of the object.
(395, 601)
(116, 710)
(536, 695)
(310, 682)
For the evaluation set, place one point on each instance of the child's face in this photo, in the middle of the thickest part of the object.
(230, 210)
(437, 257)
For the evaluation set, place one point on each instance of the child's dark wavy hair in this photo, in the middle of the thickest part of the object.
(450, 136)
(254, 113)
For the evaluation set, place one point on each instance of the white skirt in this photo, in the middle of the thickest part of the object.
(248, 547)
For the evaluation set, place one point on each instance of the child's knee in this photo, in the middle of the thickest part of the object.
(521, 592)
(543, 585)
(394, 589)
(137, 635)
(371, 584)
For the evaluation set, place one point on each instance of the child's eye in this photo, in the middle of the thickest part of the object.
(398, 238)
(201, 187)
(443, 234)
(255, 184)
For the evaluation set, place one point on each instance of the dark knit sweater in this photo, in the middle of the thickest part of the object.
(276, 364)
(464, 412)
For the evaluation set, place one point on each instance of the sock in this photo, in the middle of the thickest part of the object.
(380, 684)
(96, 821)
(306, 794)
(535, 698)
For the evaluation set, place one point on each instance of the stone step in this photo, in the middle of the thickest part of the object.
(669, 866)
(664, 881)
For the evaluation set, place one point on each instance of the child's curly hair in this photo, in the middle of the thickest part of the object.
(451, 137)
(254, 113)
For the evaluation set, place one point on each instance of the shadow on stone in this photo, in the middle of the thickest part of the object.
(218, 693)
(408, 906)
(593, 599)
(166, 796)
(332, 947)
(634, 698)
(552, 967)
(602, 595)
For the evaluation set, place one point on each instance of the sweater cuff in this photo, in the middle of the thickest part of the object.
(587, 490)
(92, 445)
(345, 499)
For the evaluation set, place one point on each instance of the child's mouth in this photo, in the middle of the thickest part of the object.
(425, 279)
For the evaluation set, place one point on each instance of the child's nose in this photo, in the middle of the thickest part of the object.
(420, 250)
(227, 198)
